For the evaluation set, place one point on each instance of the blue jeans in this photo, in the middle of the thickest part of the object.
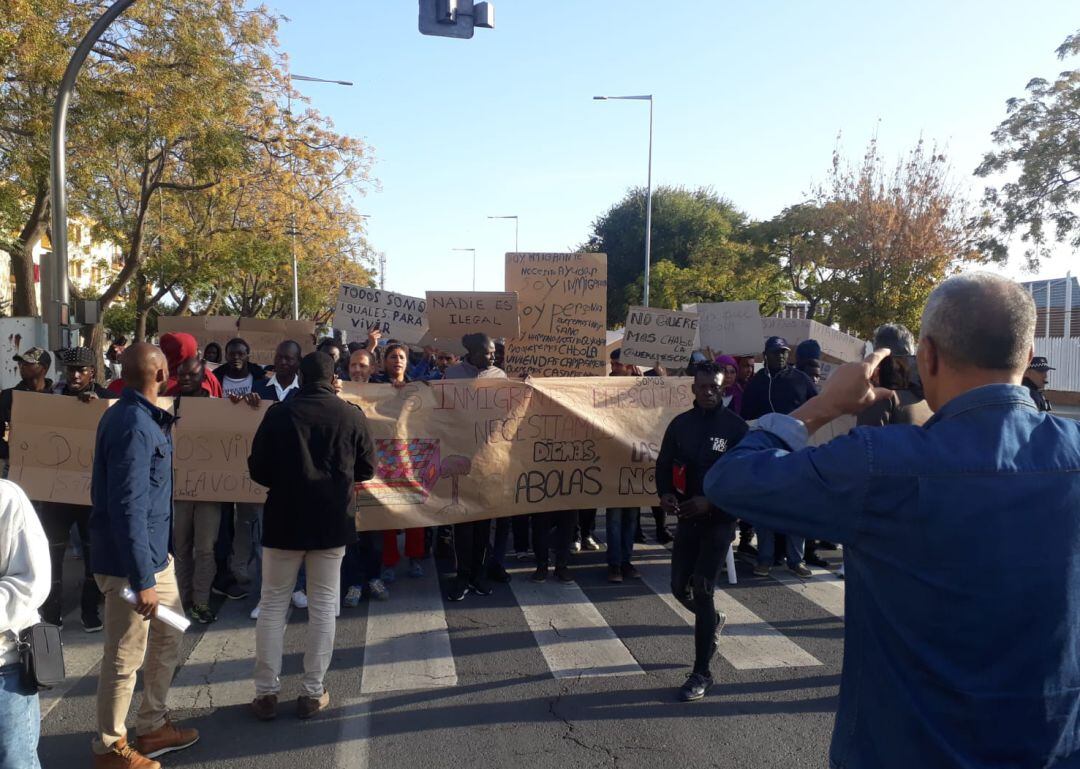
(621, 525)
(20, 722)
(766, 546)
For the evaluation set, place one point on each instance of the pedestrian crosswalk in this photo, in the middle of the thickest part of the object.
(408, 642)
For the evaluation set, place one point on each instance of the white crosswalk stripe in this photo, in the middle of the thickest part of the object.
(823, 589)
(408, 644)
(572, 635)
(747, 642)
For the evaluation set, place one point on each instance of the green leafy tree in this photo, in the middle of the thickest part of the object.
(1039, 144)
(699, 252)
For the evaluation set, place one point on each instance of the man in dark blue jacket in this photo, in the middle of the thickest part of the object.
(950, 660)
(779, 388)
(130, 526)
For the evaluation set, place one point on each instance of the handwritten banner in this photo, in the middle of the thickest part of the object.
(452, 314)
(562, 301)
(732, 328)
(360, 309)
(664, 337)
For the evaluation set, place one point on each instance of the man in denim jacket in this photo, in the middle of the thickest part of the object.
(962, 648)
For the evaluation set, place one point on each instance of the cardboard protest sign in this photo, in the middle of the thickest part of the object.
(447, 452)
(263, 336)
(452, 314)
(664, 337)
(211, 444)
(731, 328)
(562, 301)
(52, 445)
(836, 346)
(360, 309)
(205, 328)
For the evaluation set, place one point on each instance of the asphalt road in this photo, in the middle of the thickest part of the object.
(533, 676)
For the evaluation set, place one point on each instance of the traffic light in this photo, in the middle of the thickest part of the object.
(455, 18)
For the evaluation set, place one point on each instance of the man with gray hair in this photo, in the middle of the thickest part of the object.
(949, 659)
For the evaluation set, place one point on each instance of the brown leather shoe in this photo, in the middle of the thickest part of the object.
(123, 756)
(167, 739)
(306, 706)
(265, 707)
(614, 574)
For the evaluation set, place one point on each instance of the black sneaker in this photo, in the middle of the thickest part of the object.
(562, 573)
(459, 588)
(540, 575)
(801, 571)
(695, 687)
(480, 587)
(639, 537)
(232, 591)
(747, 549)
(629, 571)
(497, 573)
(91, 621)
(663, 536)
(589, 543)
(202, 614)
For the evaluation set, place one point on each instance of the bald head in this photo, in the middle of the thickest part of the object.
(144, 368)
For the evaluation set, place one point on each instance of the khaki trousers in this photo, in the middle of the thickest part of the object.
(132, 642)
(195, 530)
(280, 568)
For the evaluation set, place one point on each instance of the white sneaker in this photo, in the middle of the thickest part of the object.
(255, 612)
(353, 597)
(299, 599)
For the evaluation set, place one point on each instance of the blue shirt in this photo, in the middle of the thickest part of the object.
(131, 491)
(962, 556)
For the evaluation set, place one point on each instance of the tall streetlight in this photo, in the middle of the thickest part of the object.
(648, 199)
(292, 231)
(515, 218)
(473, 263)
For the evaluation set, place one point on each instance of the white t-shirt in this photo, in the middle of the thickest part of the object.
(241, 386)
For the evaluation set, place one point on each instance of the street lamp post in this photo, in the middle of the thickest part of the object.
(473, 263)
(292, 231)
(648, 198)
(515, 218)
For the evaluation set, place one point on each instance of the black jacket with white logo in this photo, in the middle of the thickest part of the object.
(694, 441)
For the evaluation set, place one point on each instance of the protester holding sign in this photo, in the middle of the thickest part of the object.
(195, 524)
(238, 375)
(33, 365)
(471, 540)
(692, 443)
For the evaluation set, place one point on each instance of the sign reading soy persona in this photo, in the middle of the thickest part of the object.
(360, 309)
(664, 337)
(562, 303)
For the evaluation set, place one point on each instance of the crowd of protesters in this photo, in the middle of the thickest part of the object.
(726, 483)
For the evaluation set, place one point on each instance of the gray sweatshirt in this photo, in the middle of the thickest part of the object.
(25, 574)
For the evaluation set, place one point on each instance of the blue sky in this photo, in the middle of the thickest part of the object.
(750, 99)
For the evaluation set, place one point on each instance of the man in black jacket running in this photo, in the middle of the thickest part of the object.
(692, 443)
(309, 451)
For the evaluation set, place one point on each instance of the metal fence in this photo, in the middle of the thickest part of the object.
(1064, 355)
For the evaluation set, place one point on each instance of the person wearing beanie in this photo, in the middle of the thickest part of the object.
(808, 359)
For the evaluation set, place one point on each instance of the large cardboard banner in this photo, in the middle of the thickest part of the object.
(836, 346)
(205, 328)
(562, 300)
(359, 309)
(452, 314)
(731, 328)
(447, 452)
(664, 337)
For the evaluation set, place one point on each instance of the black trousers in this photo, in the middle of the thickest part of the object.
(586, 523)
(699, 552)
(471, 545)
(56, 520)
(520, 528)
(563, 521)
